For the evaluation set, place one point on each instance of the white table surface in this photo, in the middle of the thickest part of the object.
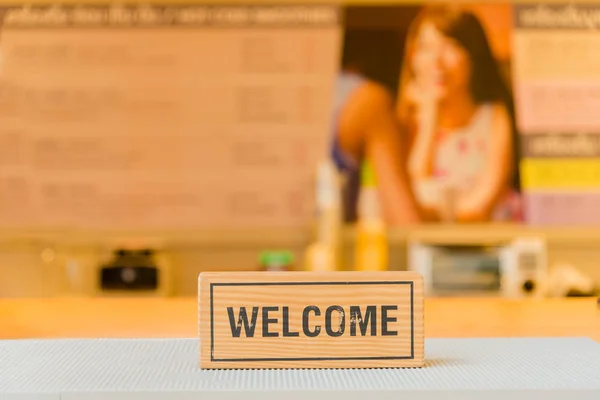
(135, 369)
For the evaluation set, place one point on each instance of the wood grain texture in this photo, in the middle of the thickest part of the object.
(310, 320)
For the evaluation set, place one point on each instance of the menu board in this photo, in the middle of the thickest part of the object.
(557, 85)
(163, 116)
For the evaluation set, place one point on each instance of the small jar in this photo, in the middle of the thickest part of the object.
(276, 261)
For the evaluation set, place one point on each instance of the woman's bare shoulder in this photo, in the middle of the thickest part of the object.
(369, 103)
(373, 93)
(501, 124)
(369, 100)
(499, 112)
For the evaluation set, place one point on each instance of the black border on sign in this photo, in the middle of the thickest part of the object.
(412, 322)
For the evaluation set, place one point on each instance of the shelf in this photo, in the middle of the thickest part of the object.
(438, 233)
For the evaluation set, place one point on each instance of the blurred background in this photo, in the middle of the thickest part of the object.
(141, 145)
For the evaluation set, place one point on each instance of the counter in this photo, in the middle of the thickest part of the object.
(177, 317)
(26, 270)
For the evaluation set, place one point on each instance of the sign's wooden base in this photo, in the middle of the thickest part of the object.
(311, 320)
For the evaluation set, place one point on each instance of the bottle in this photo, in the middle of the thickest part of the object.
(324, 253)
(371, 251)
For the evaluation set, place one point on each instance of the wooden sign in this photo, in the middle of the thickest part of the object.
(310, 320)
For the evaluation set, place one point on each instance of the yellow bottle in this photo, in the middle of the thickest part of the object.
(323, 254)
(371, 252)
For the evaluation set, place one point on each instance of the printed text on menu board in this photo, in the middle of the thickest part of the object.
(557, 85)
(182, 15)
(217, 123)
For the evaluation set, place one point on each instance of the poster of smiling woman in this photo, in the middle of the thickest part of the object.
(424, 95)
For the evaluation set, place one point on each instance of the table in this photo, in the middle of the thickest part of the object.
(149, 351)
(177, 317)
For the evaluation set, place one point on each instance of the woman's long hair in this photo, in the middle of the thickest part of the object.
(487, 84)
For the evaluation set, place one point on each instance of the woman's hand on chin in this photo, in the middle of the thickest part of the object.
(424, 99)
